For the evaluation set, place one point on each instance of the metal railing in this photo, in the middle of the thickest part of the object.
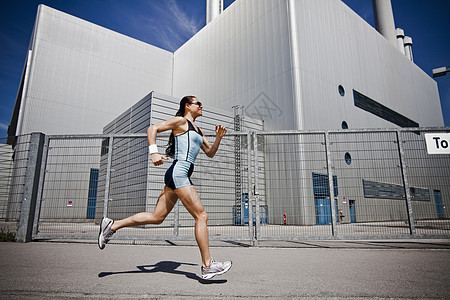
(294, 185)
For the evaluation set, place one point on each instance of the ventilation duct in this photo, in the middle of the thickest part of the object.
(400, 40)
(408, 47)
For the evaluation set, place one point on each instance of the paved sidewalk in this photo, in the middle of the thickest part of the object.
(409, 269)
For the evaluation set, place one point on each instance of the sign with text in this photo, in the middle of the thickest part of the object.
(438, 143)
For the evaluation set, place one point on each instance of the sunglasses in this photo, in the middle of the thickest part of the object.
(197, 102)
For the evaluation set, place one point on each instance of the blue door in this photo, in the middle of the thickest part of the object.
(352, 211)
(439, 208)
(323, 211)
(321, 190)
(92, 194)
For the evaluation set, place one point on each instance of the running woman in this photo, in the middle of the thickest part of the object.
(185, 142)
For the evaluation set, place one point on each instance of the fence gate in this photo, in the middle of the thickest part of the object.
(429, 182)
(371, 199)
(68, 200)
(351, 184)
(87, 177)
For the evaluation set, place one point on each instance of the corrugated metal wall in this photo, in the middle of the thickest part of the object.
(242, 57)
(245, 56)
(80, 76)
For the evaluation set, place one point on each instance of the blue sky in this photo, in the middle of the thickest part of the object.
(169, 23)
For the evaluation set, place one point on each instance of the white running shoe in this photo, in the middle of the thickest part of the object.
(105, 232)
(216, 268)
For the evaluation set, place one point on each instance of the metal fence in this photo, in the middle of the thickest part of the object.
(5, 175)
(260, 186)
(15, 178)
(353, 184)
(88, 176)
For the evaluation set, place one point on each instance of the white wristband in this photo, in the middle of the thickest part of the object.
(153, 149)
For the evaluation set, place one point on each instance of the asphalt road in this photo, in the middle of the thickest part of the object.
(284, 270)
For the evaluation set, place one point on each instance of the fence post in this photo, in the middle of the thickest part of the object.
(409, 207)
(176, 219)
(256, 190)
(108, 176)
(239, 213)
(41, 186)
(331, 185)
(249, 179)
(31, 187)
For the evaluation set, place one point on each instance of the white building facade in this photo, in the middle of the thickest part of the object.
(286, 61)
(80, 76)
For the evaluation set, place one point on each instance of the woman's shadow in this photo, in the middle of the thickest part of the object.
(165, 267)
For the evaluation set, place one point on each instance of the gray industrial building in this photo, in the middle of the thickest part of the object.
(292, 64)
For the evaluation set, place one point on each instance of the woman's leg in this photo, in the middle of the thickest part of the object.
(191, 201)
(164, 206)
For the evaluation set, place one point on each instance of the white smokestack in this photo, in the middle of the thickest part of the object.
(384, 20)
(213, 9)
(400, 36)
(408, 47)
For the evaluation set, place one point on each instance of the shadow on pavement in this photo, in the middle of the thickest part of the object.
(164, 267)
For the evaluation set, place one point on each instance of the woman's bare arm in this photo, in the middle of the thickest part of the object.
(175, 124)
(209, 150)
